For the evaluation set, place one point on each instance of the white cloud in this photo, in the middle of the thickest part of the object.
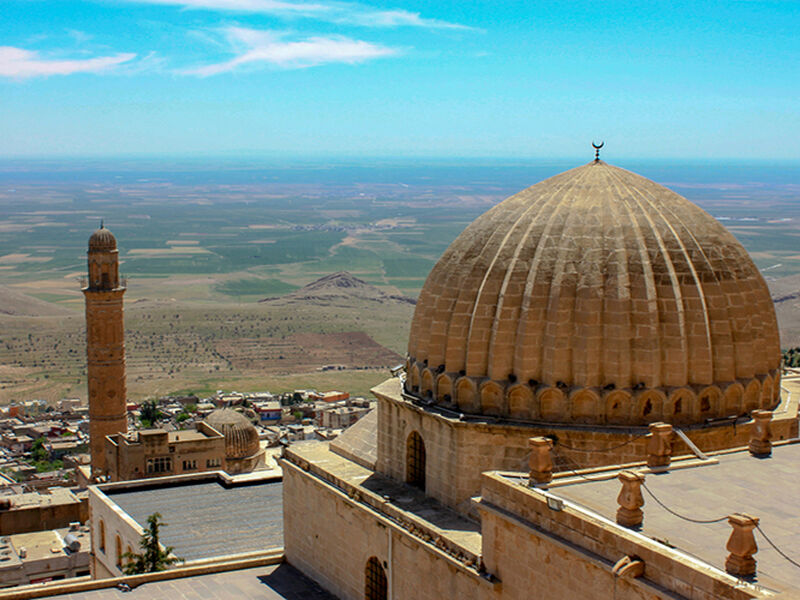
(256, 6)
(268, 47)
(336, 12)
(392, 18)
(19, 63)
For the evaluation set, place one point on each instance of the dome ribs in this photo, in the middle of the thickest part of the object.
(587, 333)
(470, 322)
(438, 305)
(636, 324)
(695, 326)
(528, 353)
(511, 297)
(618, 302)
(718, 341)
(596, 296)
(558, 334)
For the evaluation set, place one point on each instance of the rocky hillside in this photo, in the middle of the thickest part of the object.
(341, 286)
(17, 304)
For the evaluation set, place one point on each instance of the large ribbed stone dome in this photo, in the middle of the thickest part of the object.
(241, 437)
(596, 296)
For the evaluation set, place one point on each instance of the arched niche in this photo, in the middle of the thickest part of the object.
(732, 400)
(520, 402)
(426, 385)
(444, 389)
(492, 399)
(679, 407)
(708, 402)
(584, 406)
(650, 406)
(766, 393)
(618, 407)
(776, 386)
(553, 405)
(752, 397)
(467, 395)
(413, 378)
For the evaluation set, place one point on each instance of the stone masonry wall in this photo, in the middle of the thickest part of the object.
(330, 538)
(457, 451)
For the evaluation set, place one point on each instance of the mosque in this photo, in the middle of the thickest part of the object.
(226, 440)
(592, 406)
(591, 337)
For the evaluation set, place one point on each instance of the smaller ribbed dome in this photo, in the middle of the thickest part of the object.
(241, 437)
(102, 240)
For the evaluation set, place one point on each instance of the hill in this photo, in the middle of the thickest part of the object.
(337, 287)
(786, 296)
(17, 304)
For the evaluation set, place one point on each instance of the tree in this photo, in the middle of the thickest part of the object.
(152, 558)
(149, 413)
(38, 451)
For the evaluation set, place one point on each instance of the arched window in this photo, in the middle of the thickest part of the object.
(118, 548)
(102, 542)
(375, 587)
(415, 460)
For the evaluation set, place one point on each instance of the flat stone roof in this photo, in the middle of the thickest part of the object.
(766, 488)
(187, 435)
(206, 518)
(406, 499)
(50, 497)
(274, 582)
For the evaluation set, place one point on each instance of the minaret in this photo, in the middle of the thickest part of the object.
(105, 346)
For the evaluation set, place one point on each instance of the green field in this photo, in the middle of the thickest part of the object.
(199, 255)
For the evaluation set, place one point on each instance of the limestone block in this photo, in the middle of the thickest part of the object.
(541, 459)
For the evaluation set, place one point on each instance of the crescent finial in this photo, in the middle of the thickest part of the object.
(597, 150)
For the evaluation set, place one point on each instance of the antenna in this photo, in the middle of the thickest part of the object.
(597, 150)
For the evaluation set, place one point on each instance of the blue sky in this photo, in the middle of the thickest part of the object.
(419, 79)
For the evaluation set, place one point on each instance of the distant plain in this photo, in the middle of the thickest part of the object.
(202, 241)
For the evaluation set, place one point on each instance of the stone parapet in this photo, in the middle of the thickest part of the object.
(79, 585)
(664, 567)
(414, 525)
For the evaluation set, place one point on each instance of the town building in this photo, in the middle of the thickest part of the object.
(208, 517)
(44, 556)
(269, 411)
(226, 440)
(51, 508)
(341, 417)
(156, 452)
